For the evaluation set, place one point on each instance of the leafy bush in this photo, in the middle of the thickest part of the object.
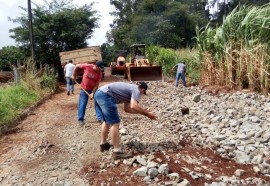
(163, 57)
(48, 82)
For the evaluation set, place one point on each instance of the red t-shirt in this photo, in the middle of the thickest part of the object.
(90, 77)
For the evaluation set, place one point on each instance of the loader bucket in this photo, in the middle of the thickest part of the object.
(145, 73)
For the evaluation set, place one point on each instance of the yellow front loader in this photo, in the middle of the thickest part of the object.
(139, 68)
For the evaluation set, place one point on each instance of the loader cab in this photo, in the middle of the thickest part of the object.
(137, 52)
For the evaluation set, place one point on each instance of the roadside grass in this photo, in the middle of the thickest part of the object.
(13, 99)
(34, 85)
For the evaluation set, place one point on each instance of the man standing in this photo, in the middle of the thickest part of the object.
(68, 69)
(106, 98)
(92, 75)
(181, 72)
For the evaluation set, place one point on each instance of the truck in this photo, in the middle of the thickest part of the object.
(90, 55)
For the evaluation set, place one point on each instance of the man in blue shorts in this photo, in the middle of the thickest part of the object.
(106, 99)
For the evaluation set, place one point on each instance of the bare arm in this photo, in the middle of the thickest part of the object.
(134, 108)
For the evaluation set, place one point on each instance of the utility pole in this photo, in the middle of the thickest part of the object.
(30, 29)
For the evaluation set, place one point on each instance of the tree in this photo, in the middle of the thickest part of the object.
(121, 27)
(9, 56)
(57, 26)
(107, 53)
(168, 23)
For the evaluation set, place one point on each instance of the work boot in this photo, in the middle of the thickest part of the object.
(68, 93)
(105, 147)
(121, 155)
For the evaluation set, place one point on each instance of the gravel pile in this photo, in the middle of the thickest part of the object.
(235, 125)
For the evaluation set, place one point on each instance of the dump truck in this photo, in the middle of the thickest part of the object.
(139, 68)
(90, 54)
(118, 66)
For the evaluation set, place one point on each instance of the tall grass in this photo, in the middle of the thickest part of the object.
(13, 99)
(34, 84)
(237, 52)
(168, 58)
(42, 80)
(163, 57)
(193, 66)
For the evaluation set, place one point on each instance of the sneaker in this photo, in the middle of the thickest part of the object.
(81, 123)
(105, 147)
(121, 155)
(68, 93)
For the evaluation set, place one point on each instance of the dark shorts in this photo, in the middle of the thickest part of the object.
(106, 108)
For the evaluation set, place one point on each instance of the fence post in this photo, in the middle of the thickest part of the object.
(16, 72)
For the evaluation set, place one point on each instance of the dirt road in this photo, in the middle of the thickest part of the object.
(49, 148)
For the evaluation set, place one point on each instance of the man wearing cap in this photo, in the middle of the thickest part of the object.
(106, 98)
(68, 69)
(92, 75)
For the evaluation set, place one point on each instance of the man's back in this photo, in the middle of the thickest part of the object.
(69, 68)
(181, 67)
(121, 91)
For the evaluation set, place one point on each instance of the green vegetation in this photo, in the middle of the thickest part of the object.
(161, 56)
(167, 58)
(193, 65)
(165, 23)
(13, 99)
(9, 56)
(237, 52)
(34, 85)
(57, 26)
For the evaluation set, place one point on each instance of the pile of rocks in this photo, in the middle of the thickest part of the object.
(236, 125)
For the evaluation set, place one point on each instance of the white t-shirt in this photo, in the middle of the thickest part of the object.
(69, 68)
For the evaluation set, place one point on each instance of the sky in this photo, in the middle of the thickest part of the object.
(10, 8)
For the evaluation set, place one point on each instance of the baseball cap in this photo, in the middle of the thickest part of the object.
(100, 64)
(142, 84)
